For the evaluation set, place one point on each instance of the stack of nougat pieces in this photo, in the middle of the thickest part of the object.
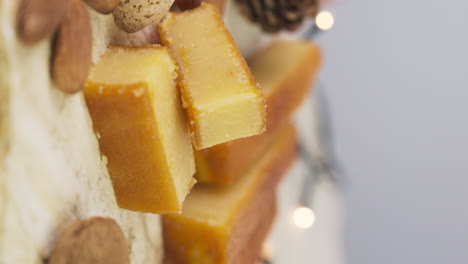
(194, 110)
(228, 214)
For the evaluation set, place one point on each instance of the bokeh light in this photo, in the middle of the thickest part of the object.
(324, 20)
(303, 217)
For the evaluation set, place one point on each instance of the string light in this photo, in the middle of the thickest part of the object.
(324, 20)
(303, 217)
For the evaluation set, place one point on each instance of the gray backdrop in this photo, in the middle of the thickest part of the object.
(396, 73)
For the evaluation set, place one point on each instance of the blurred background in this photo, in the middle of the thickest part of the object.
(396, 77)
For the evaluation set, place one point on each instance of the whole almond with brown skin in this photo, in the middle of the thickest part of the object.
(103, 6)
(38, 19)
(134, 15)
(96, 240)
(72, 50)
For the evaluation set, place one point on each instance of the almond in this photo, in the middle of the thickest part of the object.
(38, 19)
(96, 240)
(103, 6)
(134, 15)
(72, 49)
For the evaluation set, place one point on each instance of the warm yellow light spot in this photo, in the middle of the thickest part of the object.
(324, 20)
(303, 217)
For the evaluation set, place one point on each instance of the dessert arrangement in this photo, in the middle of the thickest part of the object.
(135, 131)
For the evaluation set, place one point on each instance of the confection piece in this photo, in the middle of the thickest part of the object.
(276, 15)
(38, 19)
(189, 4)
(285, 71)
(240, 242)
(134, 15)
(227, 224)
(135, 107)
(97, 240)
(218, 91)
(72, 50)
(103, 6)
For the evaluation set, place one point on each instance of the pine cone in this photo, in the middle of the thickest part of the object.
(276, 15)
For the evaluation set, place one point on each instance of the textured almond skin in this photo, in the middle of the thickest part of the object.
(38, 19)
(73, 49)
(97, 240)
(103, 6)
(133, 15)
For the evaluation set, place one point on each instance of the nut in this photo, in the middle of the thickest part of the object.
(72, 49)
(133, 15)
(96, 240)
(103, 6)
(38, 19)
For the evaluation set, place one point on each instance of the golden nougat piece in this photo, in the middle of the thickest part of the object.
(221, 98)
(137, 114)
(285, 71)
(227, 224)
